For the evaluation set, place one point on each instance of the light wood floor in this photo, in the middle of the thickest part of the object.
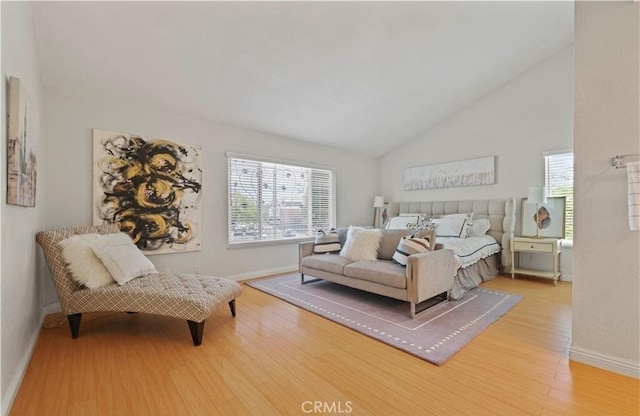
(274, 358)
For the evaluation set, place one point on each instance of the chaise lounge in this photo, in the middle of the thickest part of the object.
(189, 297)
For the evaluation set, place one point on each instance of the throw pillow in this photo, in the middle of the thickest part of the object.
(124, 261)
(453, 225)
(429, 235)
(479, 227)
(408, 246)
(327, 242)
(467, 225)
(402, 222)
(361, 244)
(85, 267)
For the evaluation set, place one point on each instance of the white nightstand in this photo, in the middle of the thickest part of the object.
(551, 246)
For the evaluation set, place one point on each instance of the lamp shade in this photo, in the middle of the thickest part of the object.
(378, 201)
(537, 195)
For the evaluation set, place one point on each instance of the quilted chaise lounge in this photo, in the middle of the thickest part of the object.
(189, 297)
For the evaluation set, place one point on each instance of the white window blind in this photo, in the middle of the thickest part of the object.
(559, 182)
(273, 201)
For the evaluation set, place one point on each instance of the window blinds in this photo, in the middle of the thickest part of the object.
(559, 182)
(274, 201)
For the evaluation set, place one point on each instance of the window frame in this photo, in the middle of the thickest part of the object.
(287, 163)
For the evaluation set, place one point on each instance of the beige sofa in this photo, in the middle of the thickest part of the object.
(425, 280)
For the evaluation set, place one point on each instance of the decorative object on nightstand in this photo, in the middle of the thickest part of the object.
(543, 219)
(378, 202)
(551, 246)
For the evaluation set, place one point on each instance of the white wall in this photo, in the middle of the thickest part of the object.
(69, 120)
(516, 123)
(21, 308)
(606, 295)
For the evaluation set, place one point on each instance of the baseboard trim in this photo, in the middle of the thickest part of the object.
(566, 277)
(615, 365)
(14, 385)
(262, 273)
(52, 308)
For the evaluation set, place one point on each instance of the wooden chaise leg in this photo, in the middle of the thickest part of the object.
(232, 306)
(196, 328)
(74, 323)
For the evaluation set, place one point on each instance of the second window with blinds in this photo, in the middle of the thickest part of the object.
(272, 201)
(558, 167)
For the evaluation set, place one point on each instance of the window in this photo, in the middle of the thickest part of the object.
(273, 201)
(558, 167)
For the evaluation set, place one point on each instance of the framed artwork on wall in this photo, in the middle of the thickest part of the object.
(544, 219)
(150, 188)
(22, 130)
(479, 171)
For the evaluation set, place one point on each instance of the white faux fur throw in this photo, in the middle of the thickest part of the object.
(361, 244)
(85, 267)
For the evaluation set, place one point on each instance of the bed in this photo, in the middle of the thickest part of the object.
(483, 259)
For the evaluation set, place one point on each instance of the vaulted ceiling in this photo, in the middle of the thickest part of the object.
(364, 76)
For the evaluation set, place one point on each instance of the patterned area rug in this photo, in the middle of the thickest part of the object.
(434, 336)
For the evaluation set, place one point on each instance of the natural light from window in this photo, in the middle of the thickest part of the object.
(559, 182)
(273, 201)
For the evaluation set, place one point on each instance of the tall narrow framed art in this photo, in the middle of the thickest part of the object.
(22, 130)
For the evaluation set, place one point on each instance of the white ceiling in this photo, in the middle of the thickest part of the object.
(364, 76)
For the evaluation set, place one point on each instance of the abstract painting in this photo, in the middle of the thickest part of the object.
(150, 188)
(470, 172)
(21, 159)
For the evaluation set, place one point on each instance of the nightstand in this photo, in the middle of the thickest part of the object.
(551, 246)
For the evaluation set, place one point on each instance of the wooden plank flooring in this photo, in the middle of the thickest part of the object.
(276, 359)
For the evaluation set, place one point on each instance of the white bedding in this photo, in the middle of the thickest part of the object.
(470, 250)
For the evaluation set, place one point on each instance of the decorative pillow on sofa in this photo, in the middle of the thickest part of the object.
(429, 235)
(361, 244)
(408, 246)
(85, 267)
(124, 261)
(327, 242)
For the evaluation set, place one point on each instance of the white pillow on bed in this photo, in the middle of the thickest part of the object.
(465, 228)
(401, 222)
(452, 226)
(479, 227)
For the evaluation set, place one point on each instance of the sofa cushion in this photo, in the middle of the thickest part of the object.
(389, 242)
(378, 271)
(331, 263)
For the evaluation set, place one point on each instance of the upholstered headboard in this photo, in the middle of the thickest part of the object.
(500, 212)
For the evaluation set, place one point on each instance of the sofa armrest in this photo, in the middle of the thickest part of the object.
(304, 249)
(429, 274)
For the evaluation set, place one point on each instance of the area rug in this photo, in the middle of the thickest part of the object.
(435, 336)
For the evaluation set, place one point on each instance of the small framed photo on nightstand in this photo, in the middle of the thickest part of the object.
(544, 219)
